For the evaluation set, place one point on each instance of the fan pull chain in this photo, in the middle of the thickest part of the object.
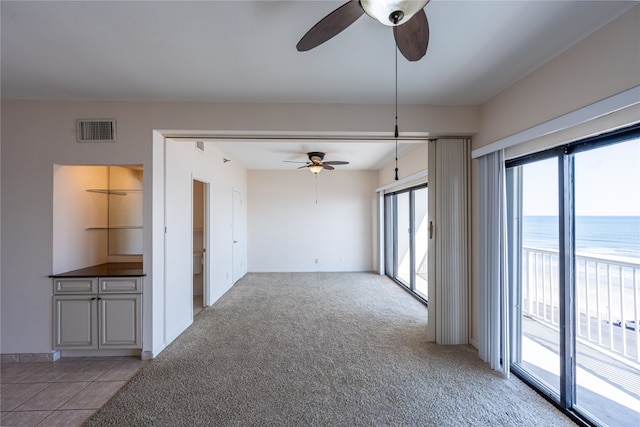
(396, 130)
(316, 187)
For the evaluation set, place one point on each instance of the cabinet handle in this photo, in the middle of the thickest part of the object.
(93, 299)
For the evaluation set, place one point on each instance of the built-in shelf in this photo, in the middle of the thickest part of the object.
(124, 214)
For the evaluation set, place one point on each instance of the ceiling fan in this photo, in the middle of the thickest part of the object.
(316, 164)
(407, 17)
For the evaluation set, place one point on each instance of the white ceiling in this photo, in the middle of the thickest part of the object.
(276, 155)
(244, 51)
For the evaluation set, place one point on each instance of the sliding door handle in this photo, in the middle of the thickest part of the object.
(430, 229)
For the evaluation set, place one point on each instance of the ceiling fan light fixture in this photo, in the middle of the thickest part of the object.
(315, 169)
(392, 12)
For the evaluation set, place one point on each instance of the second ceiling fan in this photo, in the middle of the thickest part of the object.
(407, 17)
(316, 163)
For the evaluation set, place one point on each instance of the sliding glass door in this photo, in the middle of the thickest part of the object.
(574, 242)
(607, 289)
(538, 344)
(406, 238)
(421, 241)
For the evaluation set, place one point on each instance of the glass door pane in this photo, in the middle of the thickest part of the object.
(607, 288)
(537, 343)
(421, 240)
(407, 238)
(389, 234)
(403, 238)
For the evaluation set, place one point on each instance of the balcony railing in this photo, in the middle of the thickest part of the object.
(607, 300)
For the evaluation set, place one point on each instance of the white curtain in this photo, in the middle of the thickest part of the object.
(493, 343)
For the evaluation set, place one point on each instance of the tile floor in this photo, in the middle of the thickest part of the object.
(63, 393)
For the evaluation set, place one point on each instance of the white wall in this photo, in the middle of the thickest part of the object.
(605, 63)
(289, 231)
(38, 134)
(183, 164)
(409, 163)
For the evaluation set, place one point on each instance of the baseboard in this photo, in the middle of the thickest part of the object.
(30, 357)
(101, 353)
(147, 355)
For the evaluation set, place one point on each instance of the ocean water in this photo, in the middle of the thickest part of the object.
(611, 237)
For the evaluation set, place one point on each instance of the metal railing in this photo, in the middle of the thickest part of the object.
(607, 299)
(422, 267)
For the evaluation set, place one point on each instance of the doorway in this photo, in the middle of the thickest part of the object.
(200, 234)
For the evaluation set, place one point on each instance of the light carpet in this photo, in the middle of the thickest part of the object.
(326, 349)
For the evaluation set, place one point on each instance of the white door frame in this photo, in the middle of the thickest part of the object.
(237, 236)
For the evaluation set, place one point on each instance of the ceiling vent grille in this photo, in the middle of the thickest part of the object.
(96, 130)
(200, 146)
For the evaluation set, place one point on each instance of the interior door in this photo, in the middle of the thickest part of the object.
(238, 235)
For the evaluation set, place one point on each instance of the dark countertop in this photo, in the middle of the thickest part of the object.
(110, 269)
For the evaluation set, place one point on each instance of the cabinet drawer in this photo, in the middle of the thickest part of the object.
(79, 285)
(120, 285)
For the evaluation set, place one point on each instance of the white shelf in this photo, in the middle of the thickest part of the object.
(117, 227)
(122, 192)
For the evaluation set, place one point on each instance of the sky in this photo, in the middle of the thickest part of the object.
(607, 182)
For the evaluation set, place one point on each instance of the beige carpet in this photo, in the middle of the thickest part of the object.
(326, 349)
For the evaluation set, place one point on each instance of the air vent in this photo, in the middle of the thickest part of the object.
(96, 130)
(200, 146)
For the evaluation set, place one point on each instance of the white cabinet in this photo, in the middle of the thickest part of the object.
(97, 313)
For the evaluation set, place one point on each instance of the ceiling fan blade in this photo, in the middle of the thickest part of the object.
(327, 167)
(412, 37)
(302, 167)
(293, 161)
(331, 25)
(336, 162)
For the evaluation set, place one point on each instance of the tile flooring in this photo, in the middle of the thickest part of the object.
(63, 393)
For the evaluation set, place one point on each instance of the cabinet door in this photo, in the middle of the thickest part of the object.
(75, 321)
(120, 321)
